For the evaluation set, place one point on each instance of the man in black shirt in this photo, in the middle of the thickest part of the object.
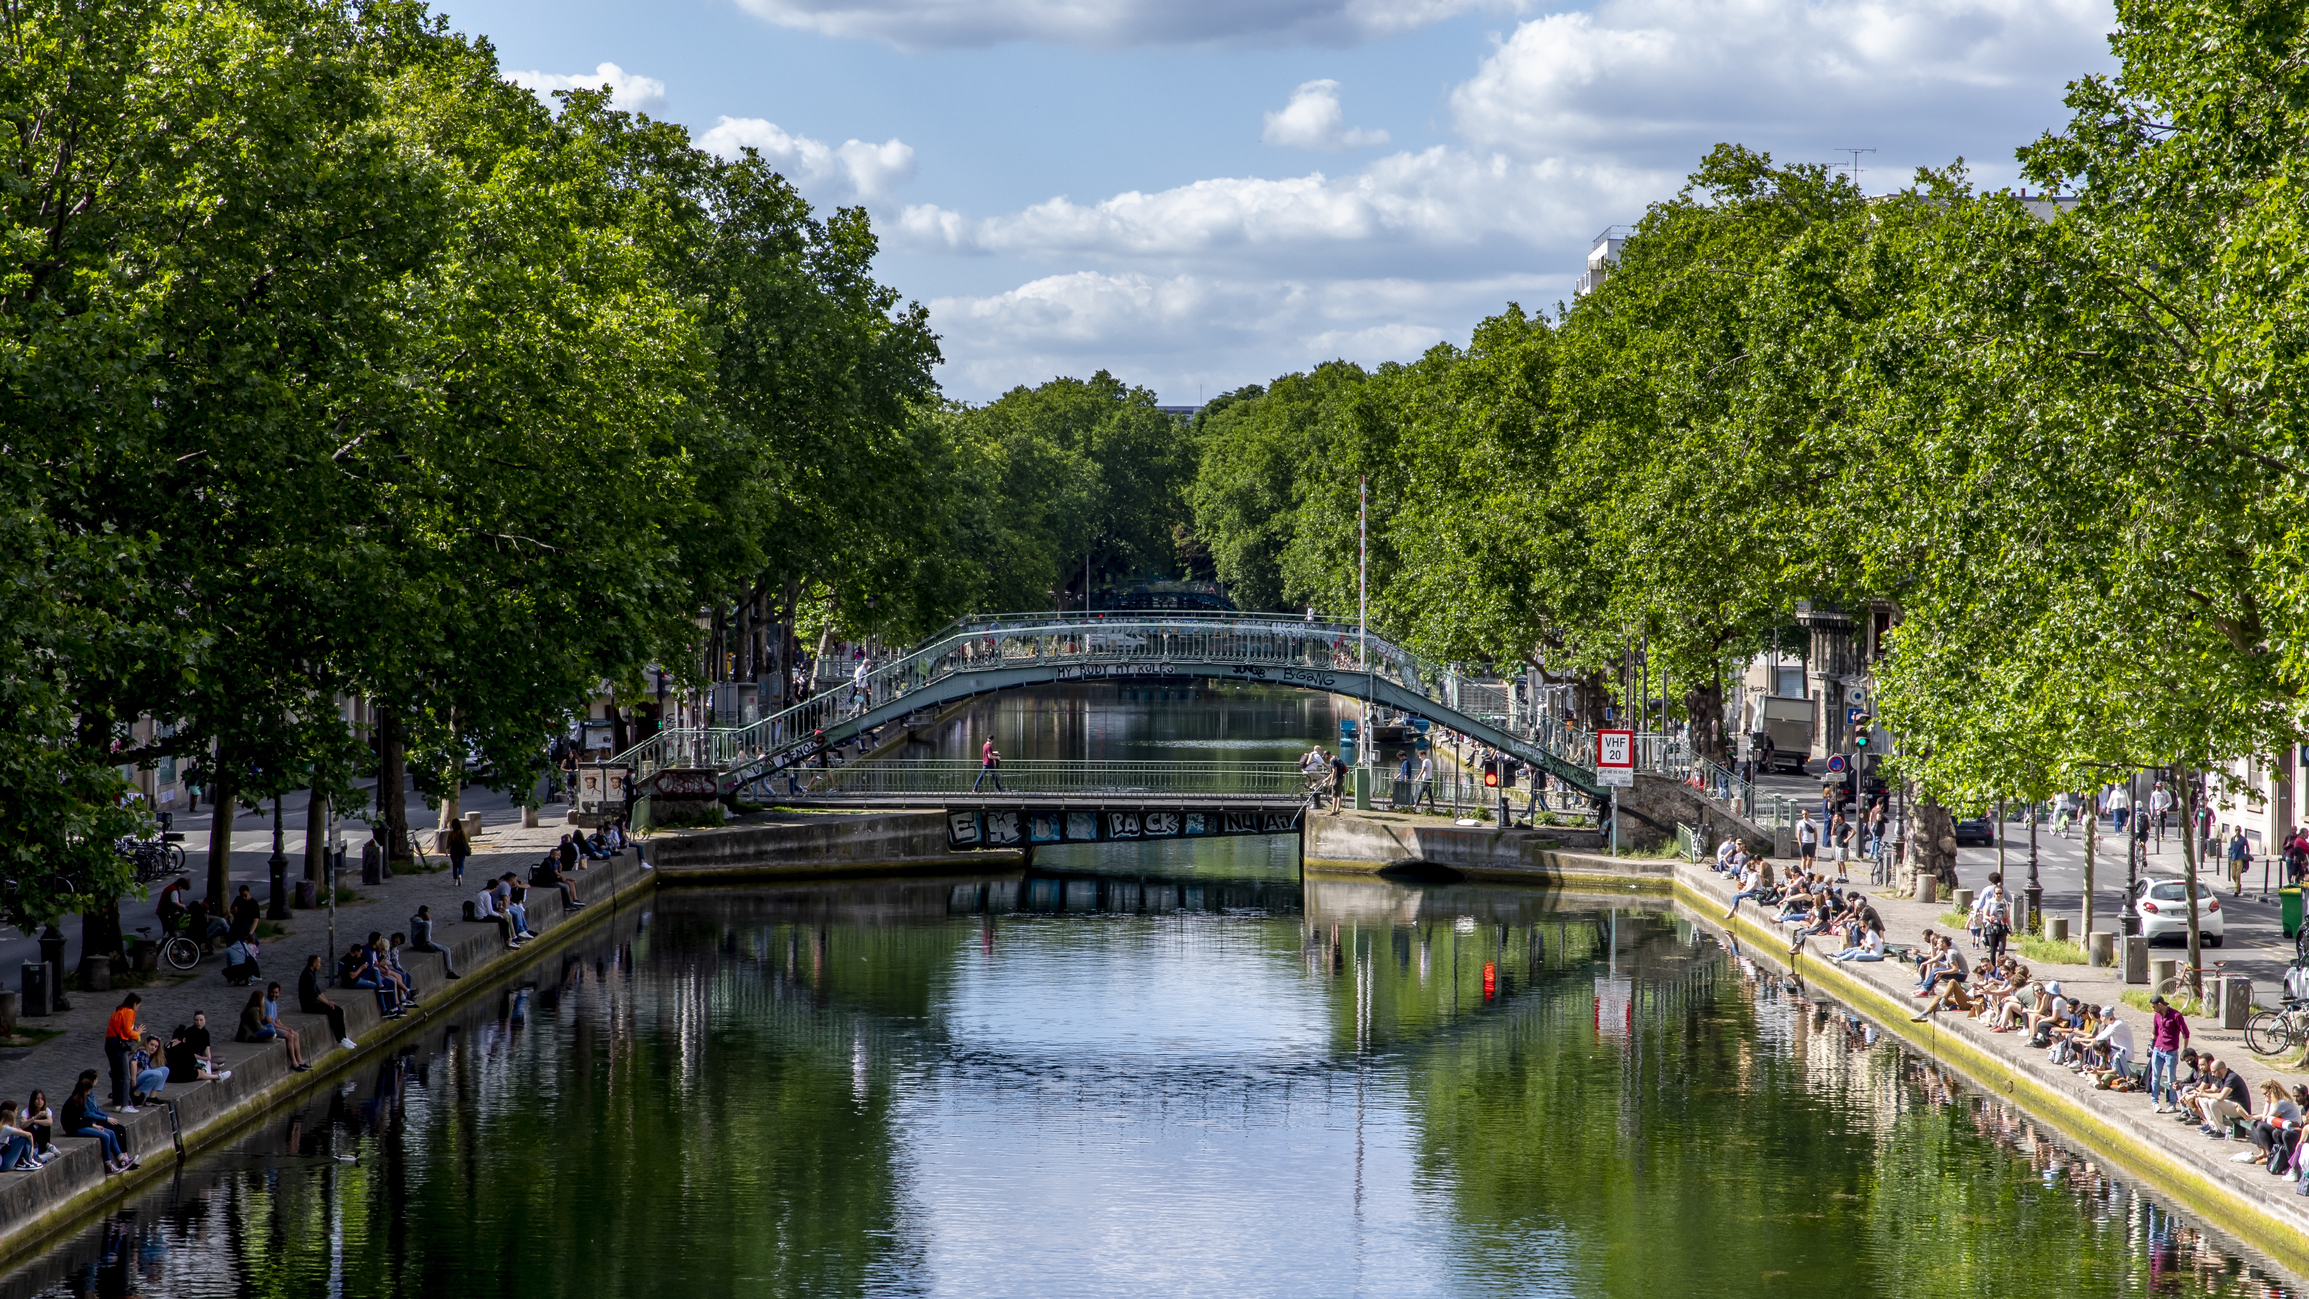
(245, 912)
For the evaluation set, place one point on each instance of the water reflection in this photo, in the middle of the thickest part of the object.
(1199, 1080)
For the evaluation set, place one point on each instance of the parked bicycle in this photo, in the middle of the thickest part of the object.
(2274, 1032)
(180, 951)
(2186, 989)
(156, 859)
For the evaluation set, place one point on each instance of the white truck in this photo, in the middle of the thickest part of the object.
(1787, 723)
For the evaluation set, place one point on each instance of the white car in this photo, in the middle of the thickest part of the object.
(2164, 907)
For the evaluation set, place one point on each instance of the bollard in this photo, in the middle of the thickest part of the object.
(529, 818)
(308, 895)
(2135, 949)
(2163, 970)
(2235, 1000)
(2100, 948)
(1961, 899)
(472, 822)
(7, 1014)
(1927, 888)
(2056, 928)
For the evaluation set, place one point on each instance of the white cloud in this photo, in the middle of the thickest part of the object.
(1643, 78)
(1314, 120)
(1441, 197)
(632, 93)
(924, 24)
(853, 172)
(1176, 332)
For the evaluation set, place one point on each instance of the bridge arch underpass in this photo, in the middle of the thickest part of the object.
(984, 656)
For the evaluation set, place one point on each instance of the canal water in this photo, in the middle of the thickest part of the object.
(1131, 1078)
(1172, 1070)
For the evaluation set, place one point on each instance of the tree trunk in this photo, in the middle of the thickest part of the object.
(316, 836)
(620, 735)
(1705, 706)
(392, 783)
(224, 803)
(1936, 842)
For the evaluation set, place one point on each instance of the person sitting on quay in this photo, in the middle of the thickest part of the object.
(253, 1027)
(1869, 946)
(421, 940)
(82, 1118)
(149, 1066)
(2012, 1009)
(548, 875)
(596, 846)
(510, 893)
(41, 1119)
(240, 962)
(381, 960)
(2110, 1052)
(2280, 1112)
(358, 969)
(485, 908)
(394, 946)
(2222, 1101)
(192, 1053)
(1755, 883)
(18, 1153)
(312, 1001)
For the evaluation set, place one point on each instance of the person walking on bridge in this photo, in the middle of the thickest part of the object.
(989, 764)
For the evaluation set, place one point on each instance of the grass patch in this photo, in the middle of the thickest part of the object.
(2138, 999)
(26, 1035)
(2044, 951)
(1956, 919)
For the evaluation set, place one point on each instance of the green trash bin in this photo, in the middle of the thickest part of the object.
(2289, 910)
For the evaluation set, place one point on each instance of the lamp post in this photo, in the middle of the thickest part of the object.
(278, 863)
(2131, 922)
(2035, 887)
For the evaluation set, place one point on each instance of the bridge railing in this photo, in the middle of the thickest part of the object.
(1265, 647)
(1674, 757)
(907, 777)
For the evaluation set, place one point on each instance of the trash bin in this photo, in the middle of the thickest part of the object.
(35, 988)
(2289, 910)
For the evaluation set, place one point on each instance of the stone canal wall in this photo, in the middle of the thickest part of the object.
(34, 1205)
(835, 843)
(1374, 842)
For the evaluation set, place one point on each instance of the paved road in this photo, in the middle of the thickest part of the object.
(2254, 945)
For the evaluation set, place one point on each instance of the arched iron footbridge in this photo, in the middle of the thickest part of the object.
(985, 655)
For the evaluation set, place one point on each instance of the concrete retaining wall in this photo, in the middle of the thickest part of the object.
(1369, 842)
(834, 844)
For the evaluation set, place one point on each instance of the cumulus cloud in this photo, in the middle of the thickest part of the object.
(853, 172)
(1652, 78)
(1175, 332)
(627, 91)
(926, 24)
(1441, 197)
(1314, 120)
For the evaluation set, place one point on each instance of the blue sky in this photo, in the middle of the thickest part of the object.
(1197, 194)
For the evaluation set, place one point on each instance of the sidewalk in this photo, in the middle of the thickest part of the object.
(261, 1078)
(2118, 1126)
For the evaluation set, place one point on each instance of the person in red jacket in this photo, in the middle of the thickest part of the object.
(2168, 1033)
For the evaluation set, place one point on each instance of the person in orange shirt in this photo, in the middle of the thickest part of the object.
(120, 1038)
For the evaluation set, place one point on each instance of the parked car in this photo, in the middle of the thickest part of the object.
(2164, 907)
(1979, 831)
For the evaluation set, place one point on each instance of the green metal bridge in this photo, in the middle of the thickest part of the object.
(984, 655)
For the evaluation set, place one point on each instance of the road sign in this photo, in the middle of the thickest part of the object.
(1852, 715)
(1615, 759)
(1836, 762)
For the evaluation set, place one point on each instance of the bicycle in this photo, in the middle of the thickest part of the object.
(2186, 989)
(180, 952)
(155, 859)
(2274, 1032)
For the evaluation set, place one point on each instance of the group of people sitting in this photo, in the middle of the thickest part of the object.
(2215, 1097)
(376, 965)
(1814, 903)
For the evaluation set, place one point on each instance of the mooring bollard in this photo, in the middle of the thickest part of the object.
(2100, 948)
(1961, 900)
(1927, 888)
(2163, 970)
(2056, 928)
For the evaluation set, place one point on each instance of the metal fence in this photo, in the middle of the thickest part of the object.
(906, 777)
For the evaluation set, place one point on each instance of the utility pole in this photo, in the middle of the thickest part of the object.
(1363, 602)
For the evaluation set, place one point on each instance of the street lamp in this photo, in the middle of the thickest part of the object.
(2035, 886)
(279, 863)
(2131, 915)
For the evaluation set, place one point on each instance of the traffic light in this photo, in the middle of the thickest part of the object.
(1861, 726)
(1491, 772)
